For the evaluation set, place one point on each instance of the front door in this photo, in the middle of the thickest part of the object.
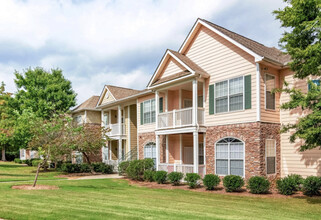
(188, 155)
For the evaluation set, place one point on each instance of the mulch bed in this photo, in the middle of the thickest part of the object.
(218, 190)
(37, 187)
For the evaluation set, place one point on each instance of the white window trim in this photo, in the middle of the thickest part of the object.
(266, 157)
(265, 92)
(149, 100)
(228, 164)
(150, 143)
(228, 96)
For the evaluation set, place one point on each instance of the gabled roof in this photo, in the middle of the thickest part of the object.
(192, 68)
(121, 92)
(88, 104)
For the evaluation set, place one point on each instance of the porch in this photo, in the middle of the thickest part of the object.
(181, 153)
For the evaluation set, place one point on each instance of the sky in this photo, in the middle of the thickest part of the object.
(98, 42)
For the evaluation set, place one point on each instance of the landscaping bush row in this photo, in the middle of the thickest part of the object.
(85, 168)
(135, 169)
(28, 162)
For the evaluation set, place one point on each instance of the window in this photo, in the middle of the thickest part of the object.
(78, 157)
(269, 95)
(200, 101)
(188, 103)
(105, 152)
(150, 151)
(270, 153)
(22, 153)
(229, 95)
(229, 157)
(149, 111)
(105, 120)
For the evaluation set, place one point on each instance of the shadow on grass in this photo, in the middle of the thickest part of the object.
(8, 174)
(11, 166)
(310, 200)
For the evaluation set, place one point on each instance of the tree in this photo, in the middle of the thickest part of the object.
(50, 139)
(45, 93)
(302, 18)
(6, 121)
(88, 139)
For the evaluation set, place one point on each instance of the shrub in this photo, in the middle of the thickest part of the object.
(122, 167)
(175, 178)
(210, 181)
(102, 168)
(258, 185)
(84, 168)
(160, 177)
(17, 160)
(286, 185)
(312, 186)
(35, 163)
(192, 179)
(297, 179)
(29, 162)
(149, 175)
(136, 168)
(233, 183)
(107, 169)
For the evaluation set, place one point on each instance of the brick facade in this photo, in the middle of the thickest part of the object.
(253, 135)
(145, 138)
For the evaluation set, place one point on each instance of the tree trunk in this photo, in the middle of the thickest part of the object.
(36, 178)
(90, 166)
(3, 158)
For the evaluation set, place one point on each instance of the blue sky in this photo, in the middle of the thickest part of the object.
(98, 42)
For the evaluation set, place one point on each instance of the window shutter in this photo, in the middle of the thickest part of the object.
(211, 99)
(248, 92)
(142, 113)
(161, 104)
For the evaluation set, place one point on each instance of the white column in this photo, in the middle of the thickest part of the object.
(157, 151)
(102, 118)
(167, 154)
(195, 151)
(110, 150)
(156, 108)
(119, 119)
(181, 148)
(195, 102)
(258, 93)
(128, 136)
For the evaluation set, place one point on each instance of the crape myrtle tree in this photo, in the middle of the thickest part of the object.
(301, 40)
(88, 139)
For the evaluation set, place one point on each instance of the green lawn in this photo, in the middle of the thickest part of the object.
(10, 171)
(115, 199)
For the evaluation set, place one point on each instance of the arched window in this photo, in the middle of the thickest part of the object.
(150, 151)
(229, 157)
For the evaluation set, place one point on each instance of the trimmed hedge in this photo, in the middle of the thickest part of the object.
(160, 177)
(85, 168)
(175, 178)
(192, 180)
(233, 183)
(149, 175)
(136, 168)
(258, 185)
(17, 160)
(287, 185)
(122, 167)
(312, 186)
(210, 181)
(298, 180)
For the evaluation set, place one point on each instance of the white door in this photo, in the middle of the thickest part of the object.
(188, 155)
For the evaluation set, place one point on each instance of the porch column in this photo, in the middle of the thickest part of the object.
(102, 119)
(195, 151)
(157, 151)
(110, 150)
(156, 108)
(120, 145)
(195, 102)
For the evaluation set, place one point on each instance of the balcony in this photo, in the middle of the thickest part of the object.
(183, 168)
(116, 129)
(179, 118)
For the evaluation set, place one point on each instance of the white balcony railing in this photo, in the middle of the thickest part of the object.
(116, 129)
(183, 168)
(179, 118)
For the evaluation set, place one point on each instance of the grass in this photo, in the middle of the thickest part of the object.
(10, 171)
(116, 199)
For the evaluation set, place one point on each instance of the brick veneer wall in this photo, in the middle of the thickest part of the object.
(145, 138)
(253, 135)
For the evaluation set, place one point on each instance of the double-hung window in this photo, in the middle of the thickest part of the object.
(229, 95)
(105, 120)
(150, 151)
(229, 157)
(270, 152)
(269, 95)
(149, 111)
(78, 119)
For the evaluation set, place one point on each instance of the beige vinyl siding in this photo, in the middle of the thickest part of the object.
(223, 61)
(107, 99)
(305, 163)
(268, 115)
(133, 127)
(171, 68)
(93, 117)
(151, 126)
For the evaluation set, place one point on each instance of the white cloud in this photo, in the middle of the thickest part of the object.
(100, 42)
